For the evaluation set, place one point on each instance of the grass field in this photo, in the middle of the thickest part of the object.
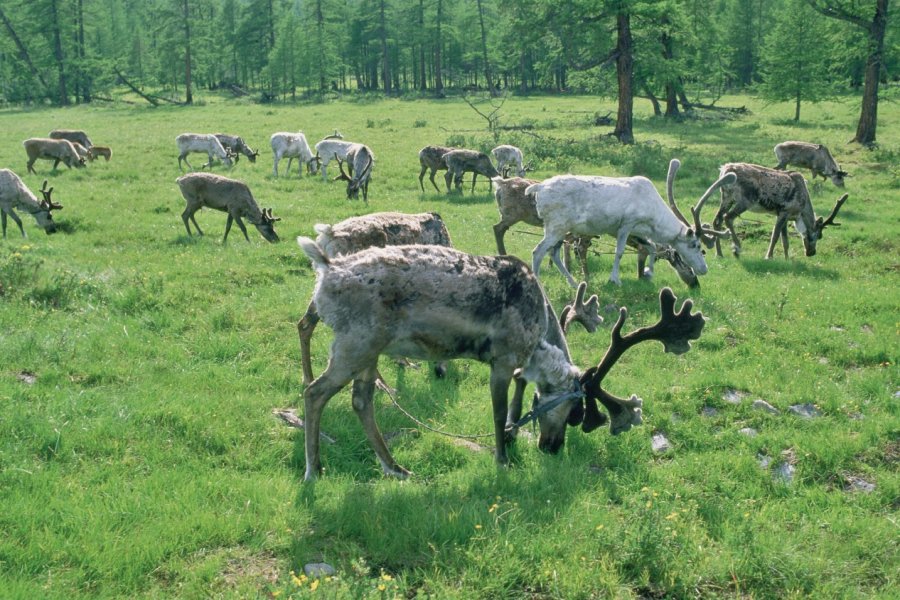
(139, 456)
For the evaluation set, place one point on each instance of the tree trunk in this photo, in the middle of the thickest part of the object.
(189, 95)
(58, 53)
(386, 59)
(797, 107)
(423, 80)
(484, 52)
(438, 58)
(23, 53)
(669, 55)
(868, 118)
(657, 111)
(320, 32)
(624, 73)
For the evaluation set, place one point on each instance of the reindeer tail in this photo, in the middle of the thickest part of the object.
(314, 252)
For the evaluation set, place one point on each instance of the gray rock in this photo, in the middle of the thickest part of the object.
(709, 411)
(858, 484)
(897, 395)
(659, 443)
(26, 376)
(318, 570)
(748, 431)
(763, 405)
(784, 472)
(734, 396)
(807, 411)
(764, 461)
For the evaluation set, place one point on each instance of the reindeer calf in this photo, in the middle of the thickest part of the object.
(96, 151)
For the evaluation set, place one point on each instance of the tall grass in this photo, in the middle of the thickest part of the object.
(139, 456)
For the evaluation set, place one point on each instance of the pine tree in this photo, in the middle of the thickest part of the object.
(794, 58)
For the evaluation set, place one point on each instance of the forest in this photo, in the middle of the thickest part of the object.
(672, 53)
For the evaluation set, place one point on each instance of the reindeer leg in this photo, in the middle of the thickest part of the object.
(3, 221)
(581, 249)
(514, 412)
(363, 390)
(474, 177)
(315, 398)
(784, 239)
(447, 176)
(537, 255)
(422, 176)
(184, 217)
(240, 223)
(501, 375)
(305, 327)
(621, 240)
(780, 223)
(500, 231)
(275, 168)
(554, 255)
(227, 227)
(431, 177)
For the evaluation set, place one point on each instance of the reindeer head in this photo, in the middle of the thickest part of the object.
(229, 157)
(265, 225)
(252, 156)
(314, 164)
(42, 216)
(811, 237)
(359, 178)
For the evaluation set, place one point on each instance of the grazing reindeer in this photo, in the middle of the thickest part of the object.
(782, 193)
(235, 144)
(515, 206)
(507, 155)
(619, 206)
(361, 161)
(73, 135)
(432, 157)
(60, 150)
(228, 195)
(467, 161)
(329, 149)
(292, 145)
(375, 230)
(431, 302)
(814, 157)
(95, 151)
(15, 194)
(203, 143)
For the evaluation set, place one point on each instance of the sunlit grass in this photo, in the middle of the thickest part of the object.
(142, 459)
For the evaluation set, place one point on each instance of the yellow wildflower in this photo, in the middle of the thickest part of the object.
(478, 527)
(381, 587)
(386, 576)
(314, 585)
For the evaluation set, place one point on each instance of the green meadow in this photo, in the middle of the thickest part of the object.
(139, 453)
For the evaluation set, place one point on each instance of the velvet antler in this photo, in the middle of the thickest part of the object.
(674, 330)
(822, 224)
(586, 313)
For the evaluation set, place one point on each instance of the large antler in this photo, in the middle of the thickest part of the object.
(343, 176)
(674, 165)
(586, 313)
(674, 330)
(48, 202)
(822, 224)
(708, 234)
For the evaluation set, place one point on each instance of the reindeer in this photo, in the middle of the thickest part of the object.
(463, 161)
(432, 158)
(203, 143)
(515, 206)
(236, 145)
(625, 206)
(506, 156)
(782, 193)
(361, 161)
(57, 150)
(814, 157)
(15, 194)
(227, 195)
(431, 302)
(73, 135)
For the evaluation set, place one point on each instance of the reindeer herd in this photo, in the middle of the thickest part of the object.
(392, 284)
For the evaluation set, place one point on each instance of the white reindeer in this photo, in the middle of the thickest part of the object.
(15, 194)
(203, 143)
(507, 155)
(291, 146)
(360, 160)
(330, 149)
(618, 206)
(60, 150)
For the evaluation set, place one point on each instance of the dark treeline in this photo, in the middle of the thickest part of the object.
(676, 54)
